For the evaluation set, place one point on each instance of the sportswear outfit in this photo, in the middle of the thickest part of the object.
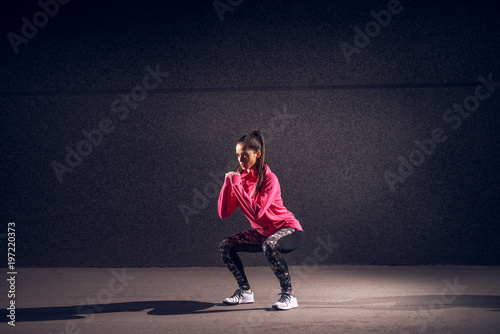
(275, 230)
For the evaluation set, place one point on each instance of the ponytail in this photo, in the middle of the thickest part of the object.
(261, 162)
(255, 141)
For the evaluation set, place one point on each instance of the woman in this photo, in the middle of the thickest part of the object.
(275, 231)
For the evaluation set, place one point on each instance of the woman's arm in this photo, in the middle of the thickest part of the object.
(227, 201)
(255, 207)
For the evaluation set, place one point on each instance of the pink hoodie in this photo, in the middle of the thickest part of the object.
(265, 212)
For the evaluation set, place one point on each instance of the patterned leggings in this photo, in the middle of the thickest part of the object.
(283, 241)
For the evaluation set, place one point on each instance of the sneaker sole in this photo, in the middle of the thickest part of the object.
(232, 304)
(277, 308)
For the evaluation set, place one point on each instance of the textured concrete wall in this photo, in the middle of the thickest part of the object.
(342, 99)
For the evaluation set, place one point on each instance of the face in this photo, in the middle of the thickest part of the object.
(246, 157)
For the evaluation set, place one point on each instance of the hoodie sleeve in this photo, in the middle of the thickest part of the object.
(255, 207)
(227, 201)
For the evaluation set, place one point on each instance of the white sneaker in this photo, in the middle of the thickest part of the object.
(286, 302)
(240, 297)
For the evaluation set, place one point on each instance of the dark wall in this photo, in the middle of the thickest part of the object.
(340, 121)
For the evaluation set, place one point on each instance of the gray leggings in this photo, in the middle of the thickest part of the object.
(283, 241)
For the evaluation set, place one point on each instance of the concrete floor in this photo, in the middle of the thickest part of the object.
(332, 299)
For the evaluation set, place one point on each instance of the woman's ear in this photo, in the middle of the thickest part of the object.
(258, 154)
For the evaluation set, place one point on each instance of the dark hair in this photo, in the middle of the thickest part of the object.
(255, 141)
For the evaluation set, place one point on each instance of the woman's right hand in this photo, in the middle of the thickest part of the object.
(228, 174)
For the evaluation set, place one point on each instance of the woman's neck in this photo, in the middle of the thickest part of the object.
(253, 168)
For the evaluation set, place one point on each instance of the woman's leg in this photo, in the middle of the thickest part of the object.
(283, 241)
(248, 241)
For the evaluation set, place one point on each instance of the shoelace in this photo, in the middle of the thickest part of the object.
(285, 297)
(238, 293)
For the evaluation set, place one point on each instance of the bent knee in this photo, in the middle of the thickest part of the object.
(269, 246)
(226, 244)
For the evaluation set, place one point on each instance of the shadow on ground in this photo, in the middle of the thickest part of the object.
(173, 307)
(82, 311)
